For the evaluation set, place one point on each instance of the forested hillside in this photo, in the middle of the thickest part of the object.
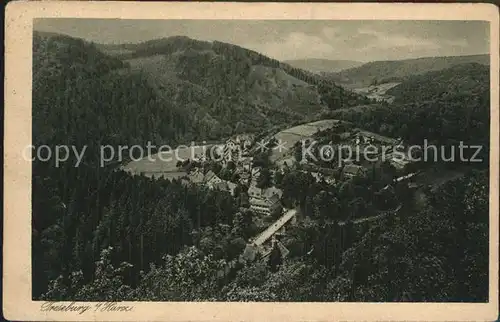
(75, 85)
(103, 234)
(444, 107)
(466, 80)
(398, 70)
(227, 87)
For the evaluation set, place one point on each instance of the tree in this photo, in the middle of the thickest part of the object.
(107, 285)
(275, 259)
(264, 180)
(243, 224)
(326, 206)
(225, 174)
(189, 276)
(278, 177)
(231, 165)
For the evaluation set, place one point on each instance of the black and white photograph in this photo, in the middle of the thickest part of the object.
(259, 160)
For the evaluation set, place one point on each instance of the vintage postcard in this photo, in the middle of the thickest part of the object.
(251, 162)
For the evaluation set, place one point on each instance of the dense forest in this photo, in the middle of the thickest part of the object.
(227, 88)
(166, 242)
(103, 234)
(470, 79)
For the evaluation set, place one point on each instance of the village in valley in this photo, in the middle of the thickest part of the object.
(252, 168)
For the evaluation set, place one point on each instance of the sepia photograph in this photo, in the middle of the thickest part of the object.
(257, 160)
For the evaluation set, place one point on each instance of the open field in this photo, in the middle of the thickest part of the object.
(308, 129)
(166, 162)
(294, 134)
(288, 140)
(377, 92)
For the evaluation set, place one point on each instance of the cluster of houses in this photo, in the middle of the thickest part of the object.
(267, 201)
(236, 151)
(211, 180)
(399, 159)
(359, 140)
(361, 155)
(318, 173)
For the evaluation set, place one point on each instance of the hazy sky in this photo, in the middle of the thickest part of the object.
(297, 39)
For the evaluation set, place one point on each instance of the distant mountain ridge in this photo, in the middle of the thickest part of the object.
(318, 65)
(398, 70)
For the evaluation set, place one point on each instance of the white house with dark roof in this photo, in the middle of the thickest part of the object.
(246, 163)
(196, 176)
(211, 179)
(265, 206)
(264, 201)
(254, 192)
(244, 140)
(230, 144)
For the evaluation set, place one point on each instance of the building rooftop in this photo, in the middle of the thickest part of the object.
(271, 230)
(273, 199)
(261, 202)
(210, 174)
(231, 185)
(269, 192)
(254, 191)
(249, 253)
(225, 186)
(196, 177)
(221, 186)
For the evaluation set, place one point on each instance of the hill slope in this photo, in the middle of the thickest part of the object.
(446, 106)
(317, 65)
(228, 72)
(76, 85)
(196, 90)
(396, 71)
(470, 79)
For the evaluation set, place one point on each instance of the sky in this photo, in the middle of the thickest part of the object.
(367, 40)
